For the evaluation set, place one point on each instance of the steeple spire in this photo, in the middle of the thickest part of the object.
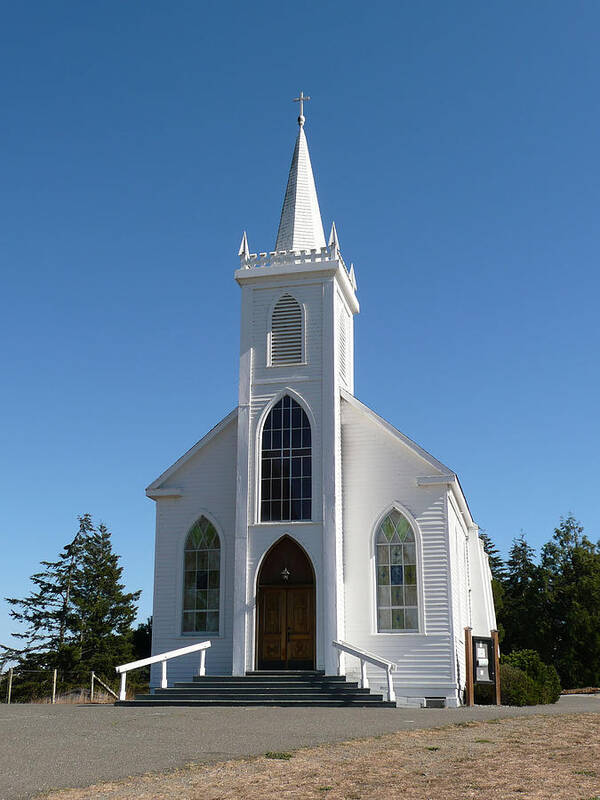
(300, 226)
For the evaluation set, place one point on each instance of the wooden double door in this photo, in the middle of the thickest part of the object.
(286, 627)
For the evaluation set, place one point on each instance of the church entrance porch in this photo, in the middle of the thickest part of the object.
(285, 607)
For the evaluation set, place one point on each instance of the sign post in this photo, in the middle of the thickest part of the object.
(482, 664)
(54, 687)
(10, 679)
(469, 688)
(496, 646)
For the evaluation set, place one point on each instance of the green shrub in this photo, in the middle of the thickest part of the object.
(516, 688)
(544, 676)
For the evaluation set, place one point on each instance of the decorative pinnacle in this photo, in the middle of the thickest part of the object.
(352, 277)
(333, 237)
(244, 251)
(301, 100)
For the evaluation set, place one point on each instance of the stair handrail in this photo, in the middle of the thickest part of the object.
(123, 669)
(367, 657)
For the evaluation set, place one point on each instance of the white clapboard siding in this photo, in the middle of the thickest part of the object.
(379, 471)
(344, 355)
(460, 582)
(207, 481)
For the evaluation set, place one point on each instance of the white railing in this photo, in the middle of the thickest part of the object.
(163, 658)
(96, 679)
(369, 658)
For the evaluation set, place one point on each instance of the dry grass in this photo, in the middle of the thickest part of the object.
(76, 698)
(532, 757)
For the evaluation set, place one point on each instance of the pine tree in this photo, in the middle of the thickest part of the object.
(498, 570)
(106, 612)
(141, 640)
(78, 617)
(521, 614)
(497, 565)
(571, 564)
(49, 612)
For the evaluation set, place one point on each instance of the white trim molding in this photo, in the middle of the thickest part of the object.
(453, 484)
(154, 494)
(436, 480)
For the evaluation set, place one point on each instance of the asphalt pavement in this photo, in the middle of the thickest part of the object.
(45, 747)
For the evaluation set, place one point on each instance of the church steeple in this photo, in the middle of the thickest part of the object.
(300, 226)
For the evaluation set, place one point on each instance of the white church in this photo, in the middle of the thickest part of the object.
(304, 529)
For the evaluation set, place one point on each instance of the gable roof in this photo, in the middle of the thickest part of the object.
(155, 490)
(445, 476)
(433, 462)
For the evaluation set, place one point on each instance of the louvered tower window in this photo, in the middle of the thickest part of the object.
(286, 332)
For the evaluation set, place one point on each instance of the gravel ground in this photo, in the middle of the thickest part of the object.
(51, 747)
(536, 758)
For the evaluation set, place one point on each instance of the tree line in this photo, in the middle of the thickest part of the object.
(550, 602)
(77, 617)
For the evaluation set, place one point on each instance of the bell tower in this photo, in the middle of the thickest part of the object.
(298, 305)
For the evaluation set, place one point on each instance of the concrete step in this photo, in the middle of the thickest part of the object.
(217, 695)
(264, 688)
(280, 677)
(250, 685)
(288, 672)
(258, 690)
(366, 702)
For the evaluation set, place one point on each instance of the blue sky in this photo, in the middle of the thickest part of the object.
(454, 144)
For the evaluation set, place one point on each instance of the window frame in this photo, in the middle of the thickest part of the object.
(420, 629)
(181, 579)
(303, 360)
(258, 460)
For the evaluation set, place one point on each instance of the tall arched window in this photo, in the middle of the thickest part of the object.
(396, 559)
(202, 579)
(286, 469)
(286, 332)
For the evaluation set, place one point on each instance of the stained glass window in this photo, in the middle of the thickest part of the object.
(286, 464)
(396, 562)
(202, 579)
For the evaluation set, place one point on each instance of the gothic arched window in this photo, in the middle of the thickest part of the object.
(396, 563)
(286, 469)
(286, 332)
(202, 579)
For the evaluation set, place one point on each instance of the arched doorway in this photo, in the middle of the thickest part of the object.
(285, 607)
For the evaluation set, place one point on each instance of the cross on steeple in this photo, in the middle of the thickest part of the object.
(301, 100)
